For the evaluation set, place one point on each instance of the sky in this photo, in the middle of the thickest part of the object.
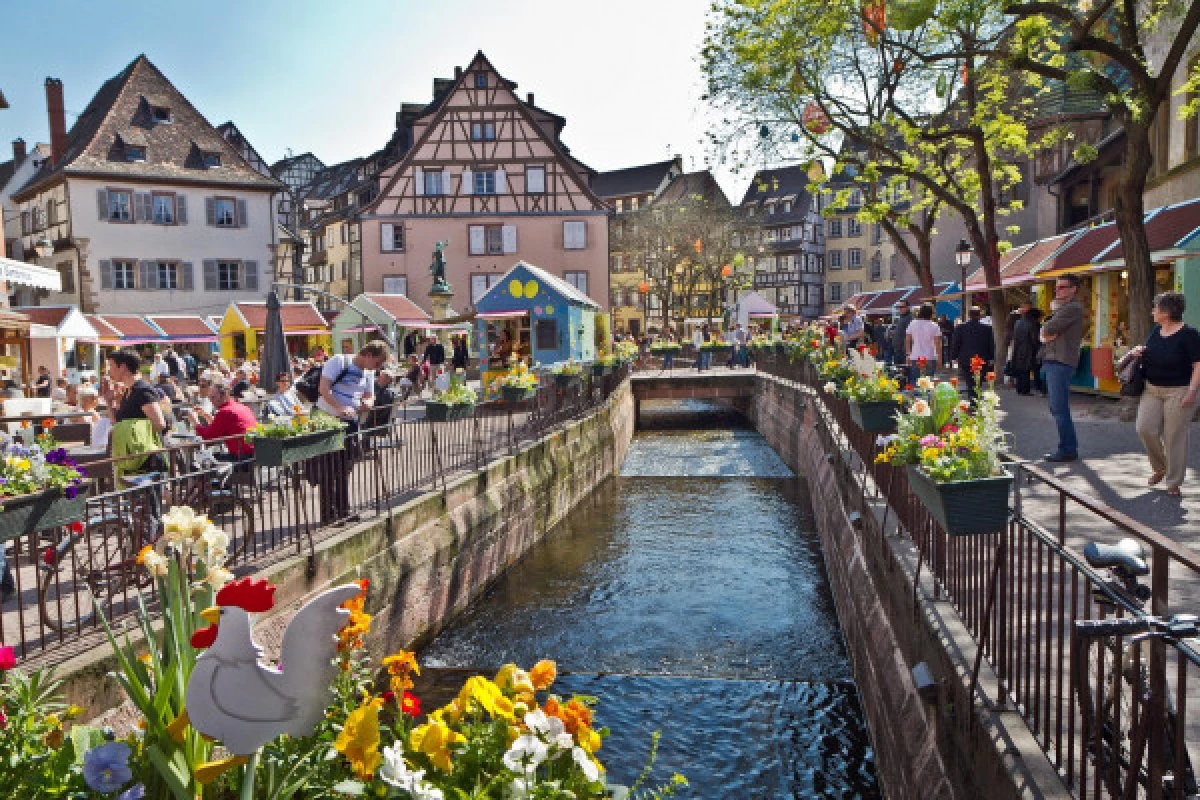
(328, 77)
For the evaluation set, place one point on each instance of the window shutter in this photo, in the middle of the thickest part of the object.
(467, 184)
(210, 213)
(187, 280)
(251, 270)
(343, 232)
(181, 209)
(501, 182)
(147, 279)
(509, 235)
(386, 237)
(106, 273)
(147, 206)
(478, 240)
(210, 275)
(535, 180)
(419, 182)
(102, 202)
(243, 221)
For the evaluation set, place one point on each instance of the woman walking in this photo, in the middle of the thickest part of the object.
(1171, 365)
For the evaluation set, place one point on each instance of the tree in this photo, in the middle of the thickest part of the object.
(1102, 46)
(930, 110)
(685, 242)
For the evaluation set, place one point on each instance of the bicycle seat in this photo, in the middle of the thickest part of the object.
(1127, 554)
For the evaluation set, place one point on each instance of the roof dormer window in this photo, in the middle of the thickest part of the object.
(160, 115)
(481, 81)
(210, 160)
(135, 153)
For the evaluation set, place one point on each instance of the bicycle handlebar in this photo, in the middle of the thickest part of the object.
(1179, 626)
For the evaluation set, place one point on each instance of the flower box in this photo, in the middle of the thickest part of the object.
(600, 370)
(780, 349)
(964, 508)
(566, 381)
(279, 452)
(515, 394)
(447, 412)
(49, 508)
(874, 416)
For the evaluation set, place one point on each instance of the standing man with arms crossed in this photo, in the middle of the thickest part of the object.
(1062, 335)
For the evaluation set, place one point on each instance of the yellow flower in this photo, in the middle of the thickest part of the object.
(359, 739)
(435, 739)
(487, 696)
(543, 674)
(401, 666)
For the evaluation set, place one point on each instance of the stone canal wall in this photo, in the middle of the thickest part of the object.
(431, 556)
(939, 746)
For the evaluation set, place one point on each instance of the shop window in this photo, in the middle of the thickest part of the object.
(547, 334)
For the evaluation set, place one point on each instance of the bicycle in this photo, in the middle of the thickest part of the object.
(1115, 713)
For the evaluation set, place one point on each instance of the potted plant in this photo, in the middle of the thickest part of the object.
(568, 374)
(627, 352)
(874, 398)
(456, 402)
(279, 441)
(717, 348)
(518, 383)
(604, 365)
(952, 453)
(41, 486)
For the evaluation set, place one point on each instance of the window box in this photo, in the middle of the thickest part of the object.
(516, 394)
(436, 411)
(40, 511)
(964, 508)
(272, 452)
(877, 416)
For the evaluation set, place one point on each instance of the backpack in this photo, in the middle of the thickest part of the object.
(309, 385)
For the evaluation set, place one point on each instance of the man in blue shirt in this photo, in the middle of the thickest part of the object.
(853, 330)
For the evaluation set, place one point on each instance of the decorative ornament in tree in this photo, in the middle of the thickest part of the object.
(726, 271)
(644, 287)
(815, 120)
(874, 20)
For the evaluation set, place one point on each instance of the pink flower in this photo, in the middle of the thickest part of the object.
(8, 659)
(931, 440)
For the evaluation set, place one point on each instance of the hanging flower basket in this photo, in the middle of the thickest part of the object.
(446, 412)
(964, 508)
(49, 508)
(874, 416)
(279, 452)
(515, 394)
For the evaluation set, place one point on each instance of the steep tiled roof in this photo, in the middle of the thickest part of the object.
(334, 180)
(294, 315)
(46, 315)
(786, 183)
(398, 306)
(131, 327)
(123, 107)
(689, 185)
(176, 327)
(643, 179)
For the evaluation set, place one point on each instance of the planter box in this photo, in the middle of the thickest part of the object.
(281, 452)
(444, 412)
(964, 508)
(31, 513)
(567, 381)
(780, 349)
(600, 370)
(877, 416)
(515, 394)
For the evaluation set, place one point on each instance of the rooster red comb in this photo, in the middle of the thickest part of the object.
(247, 594)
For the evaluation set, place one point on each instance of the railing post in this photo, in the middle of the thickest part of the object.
(1159, 575)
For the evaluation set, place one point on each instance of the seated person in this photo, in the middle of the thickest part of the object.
(230, 418)
(285, 402)
(241, 383)
(385, 398)
(59, 393)
(101, 424)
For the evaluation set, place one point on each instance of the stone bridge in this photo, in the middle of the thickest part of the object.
(734, 389)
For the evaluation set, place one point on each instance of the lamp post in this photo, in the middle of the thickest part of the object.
(962, 255)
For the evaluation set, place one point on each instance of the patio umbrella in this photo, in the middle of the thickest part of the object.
(273, 355)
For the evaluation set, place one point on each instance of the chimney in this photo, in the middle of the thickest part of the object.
(58, 120)
(457, 73)
(18, 151)
(529, 98)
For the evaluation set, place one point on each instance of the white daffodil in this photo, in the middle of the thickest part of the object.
(921, 408)
(154, 563)
(925, 382)
(213, 544)
(217, 576)
(526, 753)
(964, 406)
(830, 387)
(395, 772)
(589, 768)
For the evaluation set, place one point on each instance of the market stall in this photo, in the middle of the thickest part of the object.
(187, 334)
(371, 314)
(64, 341)
(243, 324)
(14, 326)
(126, 331)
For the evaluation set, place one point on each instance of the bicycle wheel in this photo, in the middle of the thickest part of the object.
(1109, 681)
(225, 510)
(83, 573)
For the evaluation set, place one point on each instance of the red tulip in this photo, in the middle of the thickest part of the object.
(8, 658)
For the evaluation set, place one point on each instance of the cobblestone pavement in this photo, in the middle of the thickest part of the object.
(1112, 466)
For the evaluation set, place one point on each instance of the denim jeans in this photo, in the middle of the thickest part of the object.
(1058, 388)
(668, 360)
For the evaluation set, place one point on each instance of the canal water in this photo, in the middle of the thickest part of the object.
(689, 596)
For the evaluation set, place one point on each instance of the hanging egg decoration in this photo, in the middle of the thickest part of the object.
(644, 287)
(764, 131)
(874, 20)
(815, 120)
(726, 271)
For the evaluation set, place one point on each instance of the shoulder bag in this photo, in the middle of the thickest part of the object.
(1131, 374)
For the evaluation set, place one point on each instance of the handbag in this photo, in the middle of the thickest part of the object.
(1131, 374)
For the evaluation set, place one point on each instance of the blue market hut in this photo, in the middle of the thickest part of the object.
(535, 315)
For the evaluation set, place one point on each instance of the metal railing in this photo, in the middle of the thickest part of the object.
(1042, 584)
(269, 513)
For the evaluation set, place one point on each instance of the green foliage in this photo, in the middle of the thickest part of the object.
(39, 757)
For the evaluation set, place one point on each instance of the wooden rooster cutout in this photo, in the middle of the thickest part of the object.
(234, 698)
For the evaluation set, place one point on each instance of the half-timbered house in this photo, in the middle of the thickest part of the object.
(488, 173)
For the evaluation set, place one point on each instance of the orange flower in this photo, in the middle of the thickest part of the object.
(543, 674)
(991, 376)
(48, 422)
(25, 424)
(954, 382)
(976, 364)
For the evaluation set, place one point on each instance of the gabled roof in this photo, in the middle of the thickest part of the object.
(182, 326)
(1166, 228)
(689, 186)
(46, 315)
(105, 330)
(398, 307)
(643, 179)
(124, 105)
(129, 326)
(548, 281)
(778, 185)
(294, 315)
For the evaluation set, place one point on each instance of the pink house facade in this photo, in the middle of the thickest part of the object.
(488, 174)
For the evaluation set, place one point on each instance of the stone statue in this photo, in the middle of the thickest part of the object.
(438, 269)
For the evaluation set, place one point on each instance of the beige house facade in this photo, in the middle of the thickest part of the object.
(488, 175)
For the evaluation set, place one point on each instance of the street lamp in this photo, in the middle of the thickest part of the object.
(962, 256)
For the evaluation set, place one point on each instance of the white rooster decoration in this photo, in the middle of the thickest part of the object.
(233, 697)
